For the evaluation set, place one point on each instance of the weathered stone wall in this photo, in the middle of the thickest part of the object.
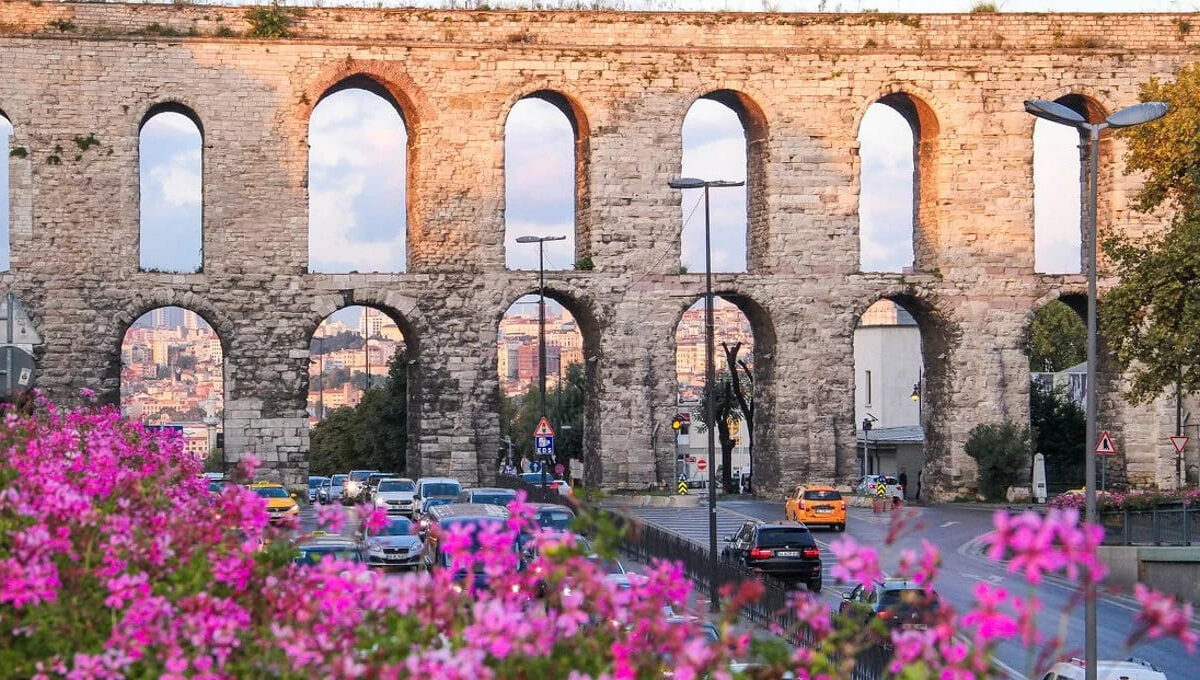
(76, 69)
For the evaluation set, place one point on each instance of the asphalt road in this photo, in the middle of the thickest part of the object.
(957, 530)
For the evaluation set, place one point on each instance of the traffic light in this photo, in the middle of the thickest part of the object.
(681, 421)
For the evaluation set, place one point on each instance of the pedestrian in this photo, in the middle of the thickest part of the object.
(904, 481)
(920, 476)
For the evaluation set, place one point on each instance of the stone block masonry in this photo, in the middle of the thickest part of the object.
(803, 82)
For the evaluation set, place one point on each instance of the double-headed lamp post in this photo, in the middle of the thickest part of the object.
(1127, 117)
(709, 376)
(541, 241)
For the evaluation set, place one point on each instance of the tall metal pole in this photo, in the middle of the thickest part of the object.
(709, 380)
(1179, 428)
(542, 341)
(1090, 613)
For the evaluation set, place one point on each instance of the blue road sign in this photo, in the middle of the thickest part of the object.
(544, 445)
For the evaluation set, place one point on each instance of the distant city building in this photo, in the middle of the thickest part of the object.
(517, 347)
(730, 325)
(328, 387)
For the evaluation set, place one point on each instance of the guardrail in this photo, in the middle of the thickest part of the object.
(1171, 523)
(645, 542)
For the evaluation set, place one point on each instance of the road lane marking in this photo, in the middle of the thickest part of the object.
(947, 525)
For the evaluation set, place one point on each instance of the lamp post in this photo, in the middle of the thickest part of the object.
(1127, 117)
(541, 241)
(709, 376)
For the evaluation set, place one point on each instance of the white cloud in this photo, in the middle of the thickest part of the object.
(1056, 199)
(558, 255)
(885, 195)
(178, 183)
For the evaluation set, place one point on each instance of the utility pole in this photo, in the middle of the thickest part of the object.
(541, 241)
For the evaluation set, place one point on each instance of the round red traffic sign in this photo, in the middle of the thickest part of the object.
(701, 463)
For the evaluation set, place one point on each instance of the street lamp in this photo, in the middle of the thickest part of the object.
(1127, 117)
(541, 241)
(709, 375)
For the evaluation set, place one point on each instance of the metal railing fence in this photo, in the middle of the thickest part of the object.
(1169, 523)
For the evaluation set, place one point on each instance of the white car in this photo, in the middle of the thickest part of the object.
(395, 545)
(869, 485)
(438, 487)
(397, 495)
(1132, 669)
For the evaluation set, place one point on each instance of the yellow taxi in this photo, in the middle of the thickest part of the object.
(817, 504)
(280, 504)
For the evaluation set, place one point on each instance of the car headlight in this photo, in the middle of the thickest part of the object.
(294, 510)
(374, 547)
(379, 500)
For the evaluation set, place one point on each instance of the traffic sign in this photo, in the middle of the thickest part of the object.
(535, 466)
(683, 488)
(701, 464)
(1105, 447)
(544, 444)
(1179, 443)
(543, 428)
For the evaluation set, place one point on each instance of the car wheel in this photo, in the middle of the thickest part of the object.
(814, 586)
(841, 527)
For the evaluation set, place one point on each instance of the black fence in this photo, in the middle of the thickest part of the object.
(1171, 523)
(646, 542)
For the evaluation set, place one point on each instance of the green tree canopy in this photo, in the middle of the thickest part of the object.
(519, 416)
(1003, 454)
(1057, 339)
(1151, 319)
(1059, 431)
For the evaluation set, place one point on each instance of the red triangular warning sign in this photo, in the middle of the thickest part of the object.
(543, 428)
(1105, 447)
(1179, 443)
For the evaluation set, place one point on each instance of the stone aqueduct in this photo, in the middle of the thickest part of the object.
(802, 83)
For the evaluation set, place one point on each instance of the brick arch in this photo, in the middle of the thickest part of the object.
(388, 76)
(765, 457)
(182, 105)
(922, 112)
(576, 112)
(583, 311)
(144, 303)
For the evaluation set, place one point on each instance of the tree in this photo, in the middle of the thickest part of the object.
(1003, 454)
(1058, 425)
(725, 408)
(519, 416)
(1057, 339)
(1151, 318)
(743, 391)
(373, 434)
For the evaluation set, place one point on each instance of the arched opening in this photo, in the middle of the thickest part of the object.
(6, 131)
(357, 180)
(897, 189)
(743, 346)
(1059, 189)
(1057, 347)
(170, 153)
(545, 182)
(361, 377)
(569, 403)
(724, 138)
(891, 395)
(173, 378)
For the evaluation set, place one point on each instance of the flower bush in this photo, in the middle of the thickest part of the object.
(116, 561)
(1141, 499)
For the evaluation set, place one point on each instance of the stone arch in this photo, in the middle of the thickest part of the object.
(577, 115)
(938, 339)
(585, 315)
(151, 226)
(395, 98)
(765, 456)
(921, 112)
(403, 313)
(6, 230)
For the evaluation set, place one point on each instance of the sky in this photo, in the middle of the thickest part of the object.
(5, 252)
(170, 168)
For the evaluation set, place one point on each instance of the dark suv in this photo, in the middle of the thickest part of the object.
(897, 603)
(785, 550)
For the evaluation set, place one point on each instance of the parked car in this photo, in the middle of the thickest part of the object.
(785, 550)
(898, 603)
(280, 503)
(393, 545)
(489, 495)
(438, 487)
(1130, 669)
(396, 494)
(868, 485)
(331, 490)
(817, 504)
(314, 484)
(321, 545)
(356, 486)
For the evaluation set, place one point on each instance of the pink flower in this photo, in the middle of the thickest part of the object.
(1162, 616)
(372, 517)
(855, 563)
(992, 624)
(331, 518)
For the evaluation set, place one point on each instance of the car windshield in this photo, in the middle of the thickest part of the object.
(359, 475)
(271, 492)
(440, 489)
(493, 498)
(610, 567)
(397, 486)
(395, 527)
(434, 502)
(479, 523)
(215, 487)
(828, 495)
(555, 519)
(776, 538)
(906, 599)
(312, 554)
(338, 480)
(314, 482)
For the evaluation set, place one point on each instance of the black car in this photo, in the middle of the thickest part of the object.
(784, 550)
(897, 603)
(552, 516)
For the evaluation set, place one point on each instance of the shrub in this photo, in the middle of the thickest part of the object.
(1003, 454)
(984, 8)
(273, 21)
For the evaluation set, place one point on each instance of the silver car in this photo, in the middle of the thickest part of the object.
(394, 545)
